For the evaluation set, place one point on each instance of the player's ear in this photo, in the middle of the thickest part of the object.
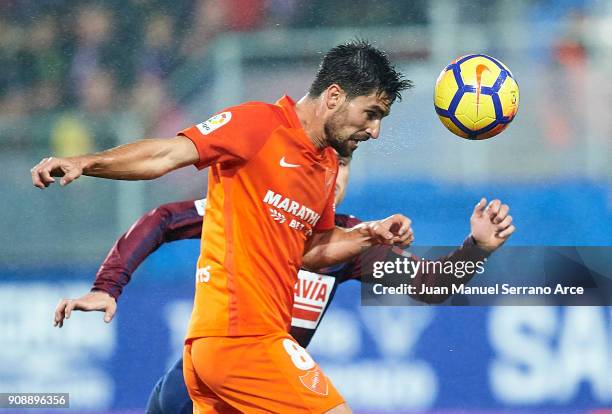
(334, 96)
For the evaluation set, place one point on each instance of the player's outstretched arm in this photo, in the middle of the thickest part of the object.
(166, 223)
(339, 245)
(141, 160)
(93, 301)
(169, 222)
(491, 225)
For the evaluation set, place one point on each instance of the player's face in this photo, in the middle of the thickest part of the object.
(356, 120)
(342, 178)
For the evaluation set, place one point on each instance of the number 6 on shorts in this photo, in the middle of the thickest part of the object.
(299, 356)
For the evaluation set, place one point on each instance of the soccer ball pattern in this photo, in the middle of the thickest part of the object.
(476, 97)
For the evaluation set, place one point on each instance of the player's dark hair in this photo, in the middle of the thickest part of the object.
(360, 69)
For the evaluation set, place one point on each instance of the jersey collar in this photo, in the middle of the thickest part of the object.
(288, 106)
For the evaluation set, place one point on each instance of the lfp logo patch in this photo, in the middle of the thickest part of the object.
(215, 122)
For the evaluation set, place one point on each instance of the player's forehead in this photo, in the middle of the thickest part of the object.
(378, 101)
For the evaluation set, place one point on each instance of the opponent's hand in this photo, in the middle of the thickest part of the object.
(47, 168)
(491, 224)
(93, 301)
(392, 230)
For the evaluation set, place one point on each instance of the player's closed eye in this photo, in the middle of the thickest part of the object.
(371, 115)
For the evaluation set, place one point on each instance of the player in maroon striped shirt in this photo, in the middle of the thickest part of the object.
(313, 293)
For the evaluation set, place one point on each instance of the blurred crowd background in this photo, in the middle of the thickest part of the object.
(98, 56)
(82, 76)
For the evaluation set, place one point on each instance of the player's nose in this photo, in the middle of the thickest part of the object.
(374, 130)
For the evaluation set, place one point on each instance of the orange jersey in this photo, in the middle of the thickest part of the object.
(269, 188)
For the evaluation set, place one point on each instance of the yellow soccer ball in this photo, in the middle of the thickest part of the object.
(476, 97)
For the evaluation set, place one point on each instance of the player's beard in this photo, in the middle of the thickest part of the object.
(335, 139)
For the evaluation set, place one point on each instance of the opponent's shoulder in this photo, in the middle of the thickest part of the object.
(181, 206)
(346, 220)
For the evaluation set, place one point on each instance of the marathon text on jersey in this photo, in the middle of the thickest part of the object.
(292, 207)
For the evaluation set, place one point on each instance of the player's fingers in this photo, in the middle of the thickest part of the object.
(403, 234)
(408, 241)
(405, 225)
(501, 215)
(110, 312)
(69, 307)
(65, 181)
(59, 313)
(70, 174)
(35, 171)
(35, 179)
(506, 233)
(398, 225)
(407, 235)
(400, 241)
(505, 223)
(479, 208)
(382, 228)
(493, 208)
(45, 170)
(46, 178)
(381, 233)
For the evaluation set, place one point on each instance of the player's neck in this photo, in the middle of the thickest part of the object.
(307, 111)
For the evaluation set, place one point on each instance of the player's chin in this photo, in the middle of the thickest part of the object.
(345, 148)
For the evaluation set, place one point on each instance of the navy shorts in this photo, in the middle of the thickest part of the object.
(170, 394)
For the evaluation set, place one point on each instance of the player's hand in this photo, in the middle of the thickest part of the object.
(491, 224)
(47, 168)
(394, 230)
(93, 301)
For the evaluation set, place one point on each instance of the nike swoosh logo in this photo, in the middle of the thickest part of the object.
(479, 70)
(285, 164)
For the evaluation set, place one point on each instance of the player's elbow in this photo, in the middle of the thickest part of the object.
(159, 165)
(311, 261)
(169, 155)
(317, 258)
(161, 215)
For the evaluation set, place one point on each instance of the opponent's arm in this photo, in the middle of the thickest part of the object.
(339, 245)
(434, 276)
(166, 223)
(491, 226)
(169, 222)
(141, 160)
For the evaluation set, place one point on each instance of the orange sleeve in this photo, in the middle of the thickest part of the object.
(235, 134)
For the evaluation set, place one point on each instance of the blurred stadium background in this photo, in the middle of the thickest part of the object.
(83, 76)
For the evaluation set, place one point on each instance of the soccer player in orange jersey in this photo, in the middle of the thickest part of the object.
(269, 211)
